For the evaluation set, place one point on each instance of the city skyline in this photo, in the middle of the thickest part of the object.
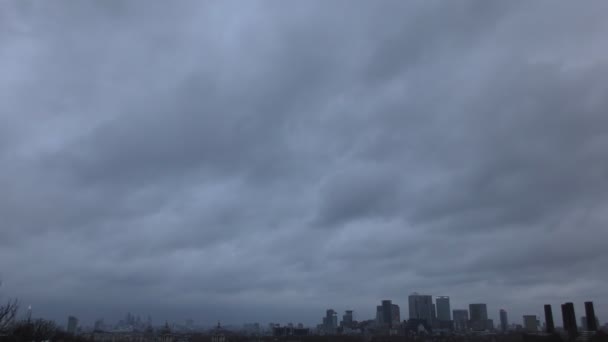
(262, 161)
(338, 317)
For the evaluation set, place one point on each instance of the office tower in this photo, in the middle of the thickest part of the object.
(504, 322)
(461, 319)
(421, 307)
(479, 316)
(489, 324)
(72, 325)
(396, 315)
(530, 323)
(569, 319)
(591, 319)
(379, 315)
(584, 323)
(387, 313)
(347, 319)
(330, 322)
(443, 308)
(550, 326)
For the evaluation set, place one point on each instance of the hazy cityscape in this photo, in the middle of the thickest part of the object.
(303, 170)
(427, 317)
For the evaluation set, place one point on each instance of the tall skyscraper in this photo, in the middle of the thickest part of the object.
(461, 319)
(591, 319)
(443, 308)
(72, 325)
(479, 316)
(549, 319)
(396, 315)
(569, 319)
(379, 319)
(421, 307)
(330, 322)
(504, 321)
(387, 313)
(530, 323)
(585, 325)
(347, 319)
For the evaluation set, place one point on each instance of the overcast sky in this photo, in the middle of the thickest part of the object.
(264, 161)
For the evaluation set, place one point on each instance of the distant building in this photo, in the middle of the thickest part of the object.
(569, 319)
(443, 308)
(461, 319)
(72, 325)
(490, 324)
(217, 335)
(479, 317)
(549, 325)
(585, 323)
(347, 319)
(290, 331)
(387, 313)
(330, 322)
(530, 323)
(421, 307)
(504, 321)
(395, 315)
(592, 323)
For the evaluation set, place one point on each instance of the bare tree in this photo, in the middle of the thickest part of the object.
(34, 330)
(8, 313)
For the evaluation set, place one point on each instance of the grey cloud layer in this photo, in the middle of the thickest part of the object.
(211, 160)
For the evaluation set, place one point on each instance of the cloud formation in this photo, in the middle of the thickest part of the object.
(263, 162)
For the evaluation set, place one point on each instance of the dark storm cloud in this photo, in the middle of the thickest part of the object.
(211, 160)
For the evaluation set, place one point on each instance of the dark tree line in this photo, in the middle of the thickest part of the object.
(29, 330)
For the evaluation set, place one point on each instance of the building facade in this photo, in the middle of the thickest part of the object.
(549, 324)
(504, 321)
(530, 323)
(330, 322)
(347, 319)
(421, 307)
(569, 319)
(443, 308)
(461, 320)
(591, 319)
(387, 313)
(478, 316)
(396, 315)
